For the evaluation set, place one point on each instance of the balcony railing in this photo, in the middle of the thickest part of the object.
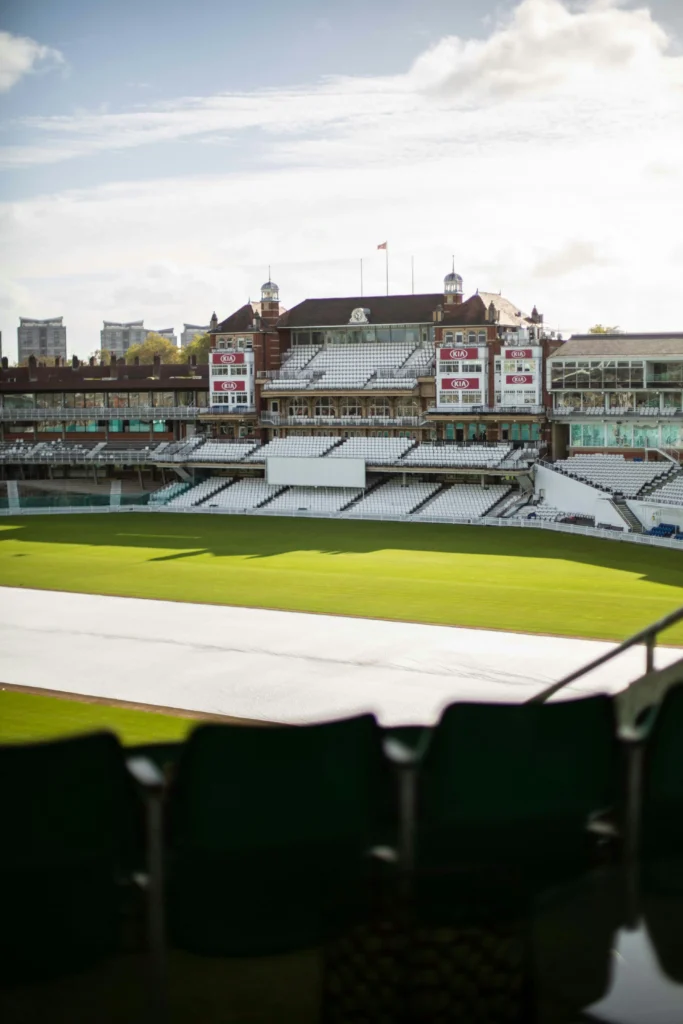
(133, 412)
(598, 410)
(229, 410)
(509, 410)
(274, 419)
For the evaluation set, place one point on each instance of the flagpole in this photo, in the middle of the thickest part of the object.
(412, 274)
(361, 277)
(386, 253)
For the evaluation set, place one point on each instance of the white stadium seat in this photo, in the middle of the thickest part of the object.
(464, 501)
(614, 473)
(394, 499)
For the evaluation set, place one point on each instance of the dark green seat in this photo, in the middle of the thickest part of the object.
(270, 830)
(506, 791)
(70, 837)
(661, 839)
(506, 907)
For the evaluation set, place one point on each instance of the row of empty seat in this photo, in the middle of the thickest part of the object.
(293, 447)
(465, 456)
(394, 499)
(614, 473)
(248, 493)
(224, 451)
(314, 499)
(671, 493)
(199, 493)
(464, 501)
(379, 451)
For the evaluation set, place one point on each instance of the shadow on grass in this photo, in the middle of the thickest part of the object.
(189, 536)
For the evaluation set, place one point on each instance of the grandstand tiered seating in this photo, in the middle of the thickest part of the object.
(342, 380)
(541, 510)
(671, 493)
(224, 451)
(368, 358)
(179, 451)
(614, 473)
(200, 492)
(295, 447)
(165, 494)
(464, 501)
(392, 498)
(298, 356)
(378, 451)
(466, 456)
(314, 499)
(12, 450)
(251, 492)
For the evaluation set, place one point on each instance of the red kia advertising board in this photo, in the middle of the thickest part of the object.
(519, 378)
(227, 358)
(460, 384)
(458, 353)
(517, 353)
(229, 385)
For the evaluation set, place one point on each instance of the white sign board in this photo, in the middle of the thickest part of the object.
(315, 472)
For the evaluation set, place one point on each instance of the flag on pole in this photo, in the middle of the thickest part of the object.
(382, 246)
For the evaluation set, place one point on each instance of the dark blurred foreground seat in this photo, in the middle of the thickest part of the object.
(504, 824)
(661, 832)
(269, 835)
(73, 822)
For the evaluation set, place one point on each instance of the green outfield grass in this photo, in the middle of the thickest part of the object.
(525, 580)
(31, 717)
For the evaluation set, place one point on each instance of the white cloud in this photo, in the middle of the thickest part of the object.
(548, 156)
(20, 56)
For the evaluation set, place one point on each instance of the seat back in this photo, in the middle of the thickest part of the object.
(70, 827)
(270, 829)
(515, 783)
(662, 822)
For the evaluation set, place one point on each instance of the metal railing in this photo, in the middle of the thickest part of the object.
(457, 411)
(647, 636)
(90, 413)
(276, 419)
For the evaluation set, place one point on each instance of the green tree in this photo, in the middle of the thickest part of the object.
(154, 345)
(600, 329)
(102, 355)
(200, 346)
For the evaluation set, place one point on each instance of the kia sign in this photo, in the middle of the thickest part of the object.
(517, 353)
(227, 358)
(229, 385)
(519, 378)
(448, 354)
(460, 384)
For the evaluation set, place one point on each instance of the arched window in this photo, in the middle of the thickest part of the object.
(408, 407)
(380, 407)
(351, 406)
(297, 406)
(324, 407)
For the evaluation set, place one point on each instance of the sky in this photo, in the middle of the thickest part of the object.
(155, 161)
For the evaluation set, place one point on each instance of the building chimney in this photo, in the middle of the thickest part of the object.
(136, 361)
(193, 361)
(91, 361)
(57, 361)
(157, 367)
(213, 322)
(5, 363)
(112, 364)
(74, 363)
